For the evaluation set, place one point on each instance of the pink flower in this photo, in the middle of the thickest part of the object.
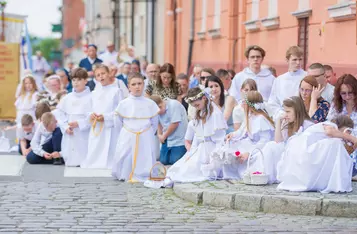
(257, 173)
(237, 153)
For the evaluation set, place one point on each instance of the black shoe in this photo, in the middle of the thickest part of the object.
(57, 161)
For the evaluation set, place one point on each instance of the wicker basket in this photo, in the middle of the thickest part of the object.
(158, 172)
(255, 179)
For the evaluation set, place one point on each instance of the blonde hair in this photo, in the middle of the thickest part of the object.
(23, 89)
(255, 97)
(294, 50)
(252, 84)
(97, 66)
(47, 118)
(156, 99)
(301, 115)
(133, 75)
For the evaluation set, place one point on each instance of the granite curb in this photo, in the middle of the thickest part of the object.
(310, 204)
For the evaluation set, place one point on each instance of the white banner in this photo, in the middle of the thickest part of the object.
(13, 27)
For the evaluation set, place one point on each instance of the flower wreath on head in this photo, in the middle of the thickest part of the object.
(257, 106)
(204, 92)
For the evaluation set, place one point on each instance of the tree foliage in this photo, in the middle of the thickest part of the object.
(46, 46)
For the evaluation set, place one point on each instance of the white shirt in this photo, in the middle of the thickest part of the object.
(22, 135)
(264, 80)
(286, 85)
(109, 58)
(40, 137)
(328, 92)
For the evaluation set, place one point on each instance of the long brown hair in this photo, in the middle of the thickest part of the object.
(255, 97)
(23, 89)
(311, 81)
(301, 115)
(349, 80)
(169, 68)
(207, 111)
(252, 84)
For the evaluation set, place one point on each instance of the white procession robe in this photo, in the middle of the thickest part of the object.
(135, 152)
(103, 136)
(313, 161)
(75, 107)
(205, 137)
(25, 105)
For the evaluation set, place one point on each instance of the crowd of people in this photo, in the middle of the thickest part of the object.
(111, 114)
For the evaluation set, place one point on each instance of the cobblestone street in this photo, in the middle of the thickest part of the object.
(54, 205)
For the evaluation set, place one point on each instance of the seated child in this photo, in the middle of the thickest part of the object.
(204, 133)
(172, 129)
(256, 131)
(25, 134)
(46, 143)
(137, 116)
(317, 160)
(75, 126)
(103, 134)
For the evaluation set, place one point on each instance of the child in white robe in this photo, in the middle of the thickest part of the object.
(203, 134)
(257, 130)
(26, 101)
(75, 125)
(314, 161)
(294, 121)
(103, 134)
(137, 116)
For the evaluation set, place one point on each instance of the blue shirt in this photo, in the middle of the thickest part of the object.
(175, 113)
(193, 83)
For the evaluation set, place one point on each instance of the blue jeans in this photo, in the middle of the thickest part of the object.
(170, 155)
(53, 145)
(27, 146)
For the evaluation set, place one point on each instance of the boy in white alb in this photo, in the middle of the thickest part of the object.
(103, 134)
(262, 76)
(287, 84)
(74, 108)
(137, 116)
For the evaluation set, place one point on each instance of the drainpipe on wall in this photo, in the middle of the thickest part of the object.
(192, 36)
(132, 22)
(241, 31)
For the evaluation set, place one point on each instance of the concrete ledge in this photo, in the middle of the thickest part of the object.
(267, 199)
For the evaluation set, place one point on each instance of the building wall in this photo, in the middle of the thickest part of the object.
(330, 41)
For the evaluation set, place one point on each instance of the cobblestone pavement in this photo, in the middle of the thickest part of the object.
(112, 206)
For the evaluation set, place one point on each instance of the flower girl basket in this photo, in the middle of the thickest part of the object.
(255, 178)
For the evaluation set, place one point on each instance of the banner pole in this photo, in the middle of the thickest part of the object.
(2, 6)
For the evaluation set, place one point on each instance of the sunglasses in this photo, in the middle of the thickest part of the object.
(319, 75)
(203, 77)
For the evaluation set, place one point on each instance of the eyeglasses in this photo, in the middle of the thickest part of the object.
(255, 57)
(305, 90)
(203, 77)
(344, 94)
(322, 74)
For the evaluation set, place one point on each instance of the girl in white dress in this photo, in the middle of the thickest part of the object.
(103, 135)
(137, 118)
(313, 161)
(204, 132)
(257, 130)
(27, 99)
(293, 121)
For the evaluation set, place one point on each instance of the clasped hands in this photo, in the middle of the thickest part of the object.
(49, 156)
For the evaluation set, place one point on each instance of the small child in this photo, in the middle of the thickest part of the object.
(137, 116)
(204, 133)
(75, 125)
(172, 129)
(46, 143)
(26, 102)
(103, 135)
(25, 134)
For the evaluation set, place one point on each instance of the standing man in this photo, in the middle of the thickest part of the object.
(317, 70)
(152, 73)
(330, 74)
(88, 63)
(263, 77)
(124, 74)
(40, 68)
(110, 56)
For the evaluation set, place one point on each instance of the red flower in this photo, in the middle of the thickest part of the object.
(237, 153)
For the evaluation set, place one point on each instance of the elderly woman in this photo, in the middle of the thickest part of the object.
(317, 107)
(65, 79)
(166, 86)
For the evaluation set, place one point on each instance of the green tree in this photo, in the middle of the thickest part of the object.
(46, 46)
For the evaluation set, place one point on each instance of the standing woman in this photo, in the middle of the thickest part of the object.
(225, 102)
(317, 107)
(166, 86)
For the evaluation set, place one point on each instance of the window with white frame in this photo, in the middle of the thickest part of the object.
(303, 10)
(255, 10)
(217, 14)
(272, 21)
(273, 8)
(303, 5)
(204, 16)
(252, 23)
(343, 10)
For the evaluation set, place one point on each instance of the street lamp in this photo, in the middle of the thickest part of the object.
(2, 8)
